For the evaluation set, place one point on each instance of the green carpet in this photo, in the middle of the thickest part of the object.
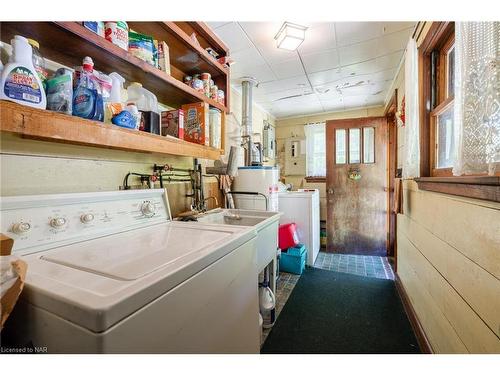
(331, 312)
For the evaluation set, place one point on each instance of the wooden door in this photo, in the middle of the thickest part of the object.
(356, 186)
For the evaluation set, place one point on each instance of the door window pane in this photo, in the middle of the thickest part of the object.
(354, 146)
(340, 149)
(445, 139)
(368, 145)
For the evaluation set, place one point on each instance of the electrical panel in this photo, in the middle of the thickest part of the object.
(269, 140)
(295, 156)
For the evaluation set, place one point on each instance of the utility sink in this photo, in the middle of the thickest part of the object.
(266, 224)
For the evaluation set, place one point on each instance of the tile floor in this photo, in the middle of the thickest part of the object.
(362, 265)
(369, 266)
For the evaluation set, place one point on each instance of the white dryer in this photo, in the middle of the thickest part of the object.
(109, 272)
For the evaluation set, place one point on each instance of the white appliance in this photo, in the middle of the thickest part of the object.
(257, 179)
(109, 272)
(302, 208)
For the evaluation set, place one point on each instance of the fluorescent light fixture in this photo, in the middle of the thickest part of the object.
(290, 36)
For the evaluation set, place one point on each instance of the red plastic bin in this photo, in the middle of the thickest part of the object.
(287, 236)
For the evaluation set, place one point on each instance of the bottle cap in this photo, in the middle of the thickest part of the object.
(34, 43)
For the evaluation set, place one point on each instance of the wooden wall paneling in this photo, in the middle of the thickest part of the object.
(473, 332)
(474, 284)
(439, 331)
(469, 226)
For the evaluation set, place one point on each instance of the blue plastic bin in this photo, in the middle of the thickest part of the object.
(294, 259)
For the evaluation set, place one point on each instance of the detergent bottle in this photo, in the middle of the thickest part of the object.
(87, 94)
(115, 103)
(267, 305)
(19, 81)
(147, 103)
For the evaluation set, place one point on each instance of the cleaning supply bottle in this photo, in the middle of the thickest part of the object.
(39, 61)
(115, 103)
(19, 81)
(267, 305)
(147, 104)
(87, 94)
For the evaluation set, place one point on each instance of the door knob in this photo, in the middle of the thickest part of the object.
(329, 191)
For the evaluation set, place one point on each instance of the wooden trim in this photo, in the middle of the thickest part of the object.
(57, 127)
(392, 163)
(436, 37)
(440, 109)
(321, 179)
(418, 329)
(479, 187)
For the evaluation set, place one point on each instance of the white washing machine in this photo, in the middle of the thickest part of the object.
(109, 272)
(302, 208)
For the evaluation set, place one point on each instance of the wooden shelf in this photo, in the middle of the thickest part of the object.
(68, 42)
(56, 127)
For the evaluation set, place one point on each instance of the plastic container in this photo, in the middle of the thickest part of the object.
(113, 105)
(60, 91)
(38, 61)
(294, 259)
(287, 236)
(215, 122)
(19, 81)
(87, 94)
(147, 104)
(117, 33)
(267, 306)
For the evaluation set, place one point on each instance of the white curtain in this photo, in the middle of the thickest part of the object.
(411, 161)
(315, 149)
(477, 97)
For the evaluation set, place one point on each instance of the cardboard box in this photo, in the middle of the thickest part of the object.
(164, 57)
(196, 128)
(172, 123)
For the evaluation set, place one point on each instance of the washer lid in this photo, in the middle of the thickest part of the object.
(135, 254)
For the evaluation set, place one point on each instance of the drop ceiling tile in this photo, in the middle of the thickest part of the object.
(377, 99)
(233, 36)
(320, 61)
(354, 101)
(361, 90)
(394, 42)
(262, 73)
(273, 54)
(389, 61)
(285, 95)
(354, 32)
(285, 84)
(214, 25)
(325, 77)
(320, 36)
(288, 69)
(246, 57)
(390, 27)
(333, 105)
(357, 53)
(261, 32)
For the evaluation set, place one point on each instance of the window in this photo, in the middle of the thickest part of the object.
(354, 146)
(340, 146)
(369, 145)
(355, 142)
(315, 150)
(442, 129)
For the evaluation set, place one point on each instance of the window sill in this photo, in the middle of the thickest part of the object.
(315, 179)
(479, 187)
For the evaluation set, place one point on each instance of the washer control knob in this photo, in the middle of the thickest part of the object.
(148, 209)
(21, 228)
(86, 218)
(58, 222)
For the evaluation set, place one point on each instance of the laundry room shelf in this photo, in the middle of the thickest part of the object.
(56, 127)
(69, 42)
